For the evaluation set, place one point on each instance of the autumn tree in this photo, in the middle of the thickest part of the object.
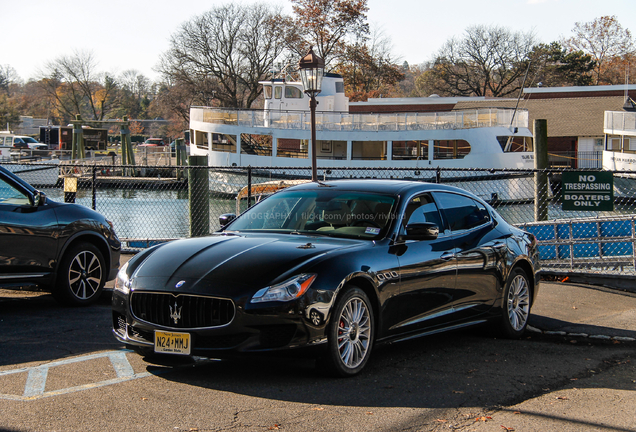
(224, 52)
(610, 45)
(486, 61)
(369, 69)
(75, 87)
(327, 25)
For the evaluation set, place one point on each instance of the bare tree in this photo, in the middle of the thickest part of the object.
(74, 85)
(609, 44)
(326, 25)
(8, 76)
(487, 61)
(224, 52)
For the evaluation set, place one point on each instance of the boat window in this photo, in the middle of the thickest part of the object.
(267, 91)
(224, 143)
(515, 143)
(629, 145)
(450, 149)
(368, 150)
(292, 148)
(410, 150)
(201, 139)
(614, 144)
(258, 145)
(293, 93)
(339, 87)
(278, 92)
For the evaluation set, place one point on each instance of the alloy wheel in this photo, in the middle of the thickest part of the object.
(85, 275)
(354, 332)
(518, 302)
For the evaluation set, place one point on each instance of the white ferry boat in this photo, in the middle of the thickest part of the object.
(413, 133)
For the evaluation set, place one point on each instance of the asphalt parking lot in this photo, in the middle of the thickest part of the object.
(61, 370)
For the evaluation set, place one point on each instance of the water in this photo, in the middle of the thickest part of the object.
(147, 214)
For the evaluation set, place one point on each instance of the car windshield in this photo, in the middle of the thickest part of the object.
(327, 212)
(30, 140)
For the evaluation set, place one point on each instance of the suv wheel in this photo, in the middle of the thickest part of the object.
(81, 276)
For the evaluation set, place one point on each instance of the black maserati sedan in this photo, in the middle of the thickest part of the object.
(333, 268)
(67, 249)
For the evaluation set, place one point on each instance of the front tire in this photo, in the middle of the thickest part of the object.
(516, 304)
(81, 276)
(349, 335)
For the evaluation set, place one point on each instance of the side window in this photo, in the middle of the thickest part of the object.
(278, 92)
(267, 91)
(10, 195)
(422, 208)
(293, 93)
(461, 211)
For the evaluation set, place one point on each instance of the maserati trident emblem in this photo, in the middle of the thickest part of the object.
(179, 284)
(176, 313)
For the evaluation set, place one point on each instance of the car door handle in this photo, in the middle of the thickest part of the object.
(447, 255)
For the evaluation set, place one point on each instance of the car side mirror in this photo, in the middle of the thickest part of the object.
(421, 231)
(226, 218)
(39, 198)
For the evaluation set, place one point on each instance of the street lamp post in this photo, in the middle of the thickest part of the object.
(311, 71)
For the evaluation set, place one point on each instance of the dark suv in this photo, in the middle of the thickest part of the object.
(67, 249)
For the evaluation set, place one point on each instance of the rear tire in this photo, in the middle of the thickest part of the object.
(81, 276)
(350, 334)
(516, 304)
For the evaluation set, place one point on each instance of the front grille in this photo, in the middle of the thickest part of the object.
(181, 311)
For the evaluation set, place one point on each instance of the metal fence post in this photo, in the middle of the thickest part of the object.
(249, 186)
(198, 195)
(93, 187)
(540, 165)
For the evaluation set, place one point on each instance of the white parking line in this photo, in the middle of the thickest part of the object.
(36, 379)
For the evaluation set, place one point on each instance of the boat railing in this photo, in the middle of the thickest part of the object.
(620, 122)
(336, 121)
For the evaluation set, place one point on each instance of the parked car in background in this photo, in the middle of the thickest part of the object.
(22, 142)
(332, 267)
(67, 249)
(153, 142)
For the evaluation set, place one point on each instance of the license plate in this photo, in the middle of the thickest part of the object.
(172, 343)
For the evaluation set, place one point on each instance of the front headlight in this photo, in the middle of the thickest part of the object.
(289, 290)
(122, 282)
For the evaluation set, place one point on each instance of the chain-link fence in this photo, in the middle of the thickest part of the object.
(588, 229)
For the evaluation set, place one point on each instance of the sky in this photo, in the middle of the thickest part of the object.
(132, 34)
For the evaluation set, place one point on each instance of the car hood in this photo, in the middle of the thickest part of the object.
(220, 264)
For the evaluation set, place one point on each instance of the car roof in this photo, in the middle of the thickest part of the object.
(396, 187)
